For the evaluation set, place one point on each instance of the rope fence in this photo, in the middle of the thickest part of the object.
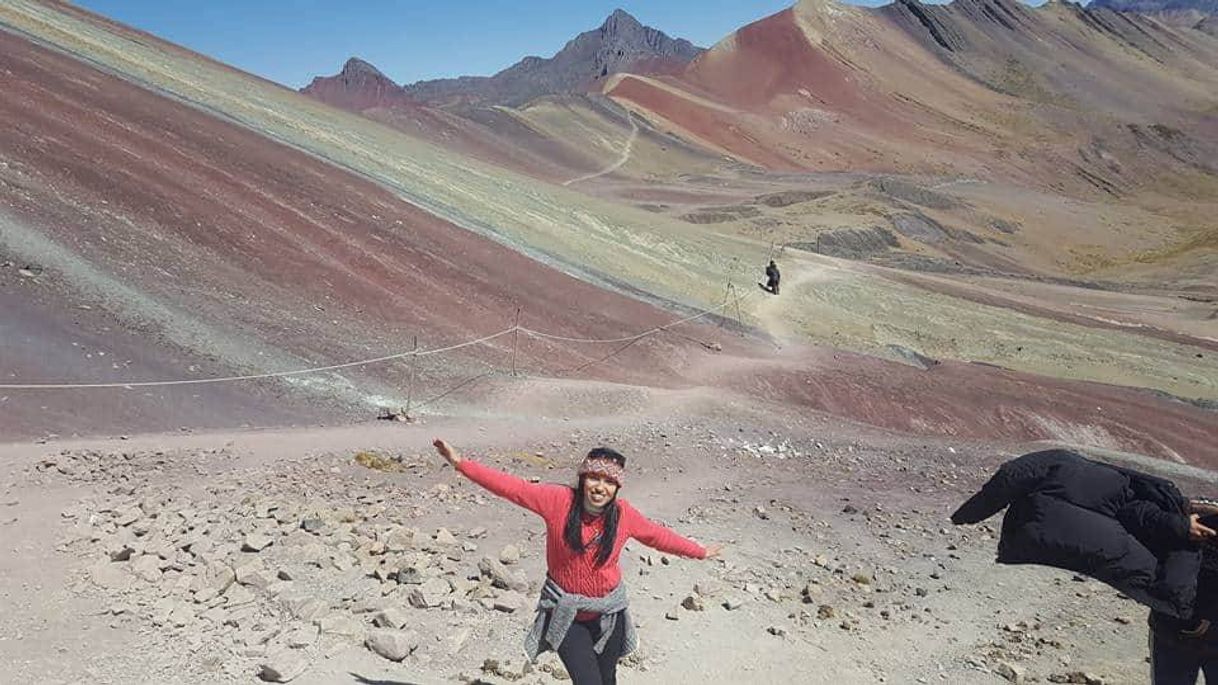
(516, 329)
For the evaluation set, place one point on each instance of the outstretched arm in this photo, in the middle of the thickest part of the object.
(1148, 522)
(532, 496)
(663, 539)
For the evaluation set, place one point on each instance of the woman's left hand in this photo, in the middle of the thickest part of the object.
(713, 551)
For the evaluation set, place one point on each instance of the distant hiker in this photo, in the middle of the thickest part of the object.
(772, 277)
(1130, 530)
(582, 613)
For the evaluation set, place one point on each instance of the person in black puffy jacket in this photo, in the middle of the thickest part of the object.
(1179, 648)
(1133, 531)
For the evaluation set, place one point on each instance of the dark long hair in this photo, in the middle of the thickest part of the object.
(573, 532)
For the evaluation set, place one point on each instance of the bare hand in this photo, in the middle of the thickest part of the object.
(713, 551)
(1198, 531)
(450, 455)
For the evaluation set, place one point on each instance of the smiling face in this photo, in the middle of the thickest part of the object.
(598, 492)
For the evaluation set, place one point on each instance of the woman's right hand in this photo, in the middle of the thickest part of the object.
(446, 450)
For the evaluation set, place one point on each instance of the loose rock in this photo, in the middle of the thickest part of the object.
(283, 668)
(393, 645)
(256, 542)
(510, 555)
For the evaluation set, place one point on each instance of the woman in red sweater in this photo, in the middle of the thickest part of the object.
(582, 613)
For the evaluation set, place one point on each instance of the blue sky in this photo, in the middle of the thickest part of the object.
(290, 41)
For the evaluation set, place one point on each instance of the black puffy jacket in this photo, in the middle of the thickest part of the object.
(1121, 527)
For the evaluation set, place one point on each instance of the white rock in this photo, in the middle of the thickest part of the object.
(1011, 671)
(110, 576)
(254, 574)
(391, 617)
(400, 540)
(510, 602)
(393, 645)
(181, 615)
(283, 667)
(501, 577)
(433, 593)
(510, 555)
(147, 567)
(256, 542)
(237, 595)
(126, 516)
(301, 637)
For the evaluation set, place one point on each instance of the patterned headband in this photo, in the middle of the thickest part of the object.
(607, 468)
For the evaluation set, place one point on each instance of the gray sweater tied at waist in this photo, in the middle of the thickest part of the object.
(556, 612)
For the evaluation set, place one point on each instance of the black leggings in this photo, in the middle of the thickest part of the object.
(585, 666)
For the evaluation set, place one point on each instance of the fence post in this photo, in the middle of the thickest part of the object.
(414, 360)
(727, 297)
(515, 340)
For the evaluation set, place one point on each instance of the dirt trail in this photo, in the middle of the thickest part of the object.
(625, 155)
(774, 312)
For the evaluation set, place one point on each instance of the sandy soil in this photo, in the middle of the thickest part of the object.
(840, 564)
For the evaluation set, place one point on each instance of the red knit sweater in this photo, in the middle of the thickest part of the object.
(577, 571)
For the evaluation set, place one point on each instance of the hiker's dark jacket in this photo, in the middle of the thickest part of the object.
(1121, 527)
(771, 273)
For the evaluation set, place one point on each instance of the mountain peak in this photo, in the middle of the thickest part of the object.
(620, 18)
(356, 66)
(359, 86)
(621, 43)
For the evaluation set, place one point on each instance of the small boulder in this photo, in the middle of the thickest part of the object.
(391, 617)
(510, 602)
(393, 645)
(312, 525)
(501, 577)
(125, 516)
(238, 595)
(282, 668)
(256, 542)
(1011, 671)
(430, 594)
(510, 555)
(147, 567)
(399, 540)
(254, 574)
(110, 576)
(301, 637)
